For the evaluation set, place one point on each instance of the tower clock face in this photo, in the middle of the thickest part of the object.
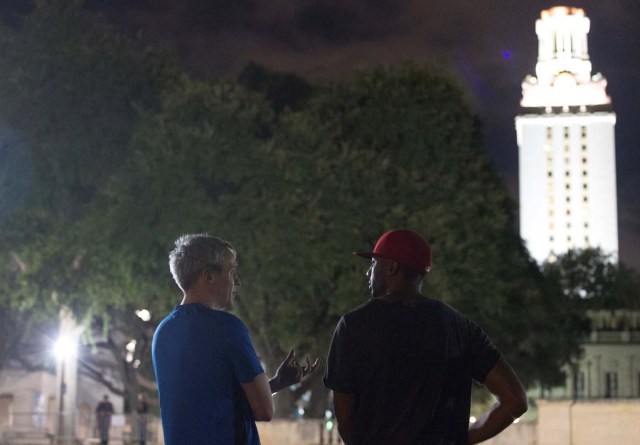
(564, 80)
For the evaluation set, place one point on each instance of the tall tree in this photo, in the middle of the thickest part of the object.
(298, 191)
(73, 91)
(400, 147)
(594, 280)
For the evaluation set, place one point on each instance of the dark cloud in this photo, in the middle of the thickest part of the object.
(11, 11)
(216, 13)
(329, 39)
(350, 21)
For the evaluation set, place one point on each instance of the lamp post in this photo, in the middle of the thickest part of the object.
(64, 349)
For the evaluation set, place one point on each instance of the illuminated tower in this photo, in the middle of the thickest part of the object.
(566, 145)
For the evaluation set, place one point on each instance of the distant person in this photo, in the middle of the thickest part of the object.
(211, 384)
(142, 408)
(104, 411)
(401, 365)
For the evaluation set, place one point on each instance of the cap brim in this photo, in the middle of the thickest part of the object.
(365, 254)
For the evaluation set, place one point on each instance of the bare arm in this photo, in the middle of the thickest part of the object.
(511, 403)
(258, 394)
(344, 406)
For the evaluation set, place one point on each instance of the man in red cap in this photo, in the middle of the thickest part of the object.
(401, 365)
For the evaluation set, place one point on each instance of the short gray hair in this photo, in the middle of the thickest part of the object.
(193, 254)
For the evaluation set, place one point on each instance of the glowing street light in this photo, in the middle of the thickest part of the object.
(63, 349)
(144, 314)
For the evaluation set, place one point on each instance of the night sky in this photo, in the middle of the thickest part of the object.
(490, 45)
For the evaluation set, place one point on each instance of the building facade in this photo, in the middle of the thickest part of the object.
(566, 145)
(567, 180)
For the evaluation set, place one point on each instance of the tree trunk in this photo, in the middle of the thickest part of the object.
(319, 401)
(285, 404)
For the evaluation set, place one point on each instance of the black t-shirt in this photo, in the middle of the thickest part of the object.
(409, 363)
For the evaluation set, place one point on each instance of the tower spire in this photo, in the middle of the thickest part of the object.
(563, 72)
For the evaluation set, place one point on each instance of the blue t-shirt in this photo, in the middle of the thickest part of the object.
(200, 357)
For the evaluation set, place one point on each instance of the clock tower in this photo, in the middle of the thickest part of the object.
(566, 145)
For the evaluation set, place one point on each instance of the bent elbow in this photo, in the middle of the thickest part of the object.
(263, 417)
(264, 414)
(519, 407)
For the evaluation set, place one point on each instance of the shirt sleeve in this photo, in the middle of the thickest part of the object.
(484, 354)
(339, 372)
(242, 355)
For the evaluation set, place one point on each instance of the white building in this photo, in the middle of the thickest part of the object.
(568, 196)
(566, 145)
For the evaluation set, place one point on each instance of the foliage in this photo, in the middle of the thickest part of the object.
(126, 155)
(573, 284)
(282, 90)
(25, 339)
(73, 91)
(297, 192)
(399, 147)
(594, 280)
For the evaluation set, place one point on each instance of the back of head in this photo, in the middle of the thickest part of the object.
(192, 254)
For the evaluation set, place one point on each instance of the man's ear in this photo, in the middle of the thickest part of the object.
(208, 275)
(393, 268)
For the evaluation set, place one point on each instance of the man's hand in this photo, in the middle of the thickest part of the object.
(290, 372)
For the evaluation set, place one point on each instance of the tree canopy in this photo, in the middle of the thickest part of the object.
(126, 154)
(296, 192)
(73, 91)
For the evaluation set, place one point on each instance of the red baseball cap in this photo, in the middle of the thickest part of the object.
(405, 247)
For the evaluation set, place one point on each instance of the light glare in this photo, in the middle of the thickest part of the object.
(63, 348)
(144, 314)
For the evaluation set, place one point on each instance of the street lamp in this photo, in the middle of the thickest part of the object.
(144, 314)
(63, 349)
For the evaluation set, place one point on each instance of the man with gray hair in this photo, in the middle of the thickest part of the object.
(211, 384)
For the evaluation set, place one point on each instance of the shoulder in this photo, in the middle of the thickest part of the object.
(449, 312)
(359, 310)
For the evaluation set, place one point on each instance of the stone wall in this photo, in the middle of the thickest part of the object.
(521, 433)
(614, 422)
(588, 422)
(299, 432)
(307, 432)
